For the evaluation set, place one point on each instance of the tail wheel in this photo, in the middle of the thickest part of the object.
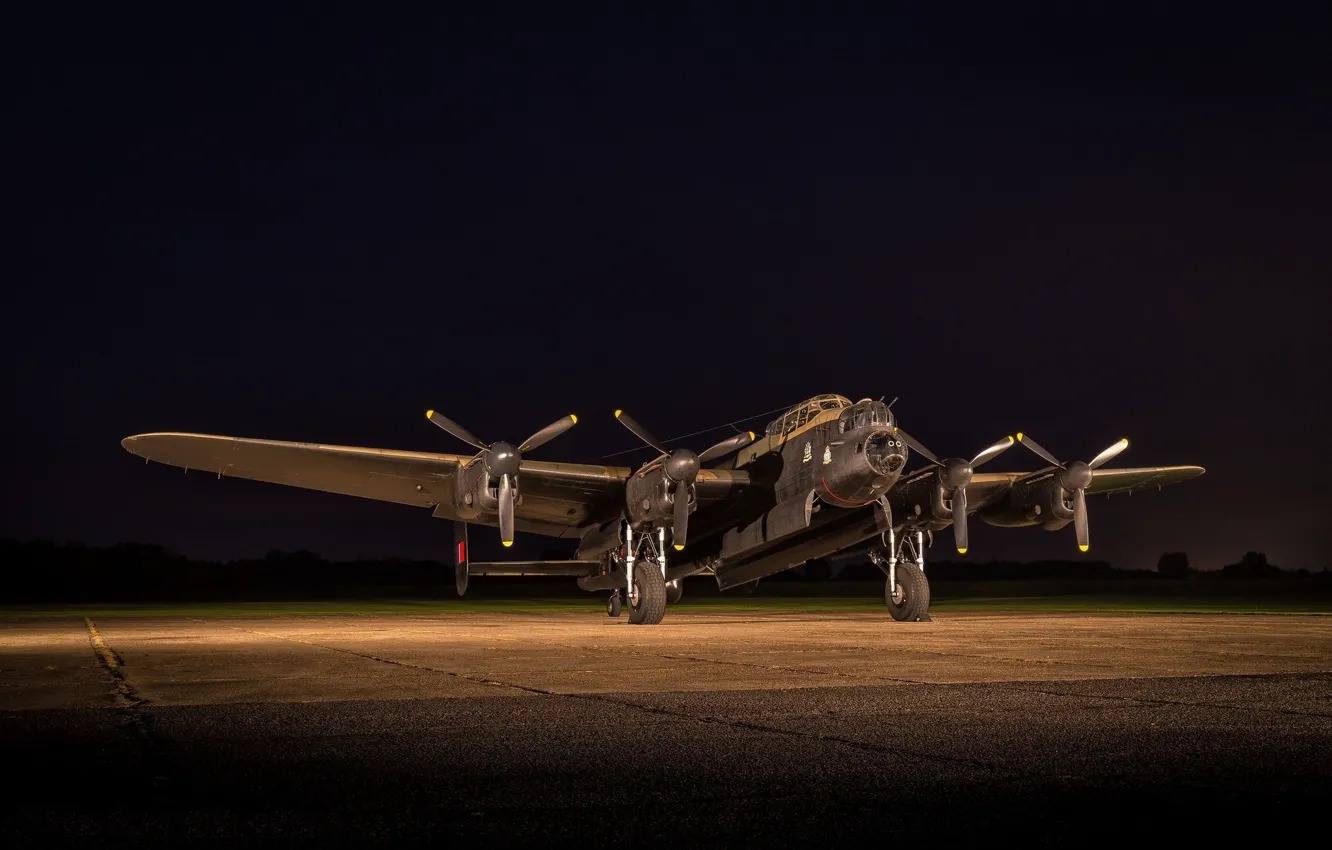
(674, 590)
(649, 605)
(909, 601)
(613, 605)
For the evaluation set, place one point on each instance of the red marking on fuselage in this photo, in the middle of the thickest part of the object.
(829, 491)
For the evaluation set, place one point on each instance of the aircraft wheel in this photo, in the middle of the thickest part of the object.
(613, 605)
(674, 590)
(649, 605)
(910, 600)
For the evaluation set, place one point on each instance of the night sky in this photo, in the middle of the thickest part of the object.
(315, 226)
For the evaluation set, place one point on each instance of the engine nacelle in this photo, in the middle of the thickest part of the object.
(650, 499)
(478, 488)
(1041, 501)
(921, 501)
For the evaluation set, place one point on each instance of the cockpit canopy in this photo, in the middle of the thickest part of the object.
(864, 413)
(804, 412)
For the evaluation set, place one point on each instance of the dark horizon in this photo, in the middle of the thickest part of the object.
(43, 573)
(1080, 226)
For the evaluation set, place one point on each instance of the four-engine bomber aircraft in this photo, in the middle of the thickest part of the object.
(824, 477)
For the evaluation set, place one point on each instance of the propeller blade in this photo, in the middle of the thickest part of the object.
(1108, 454)
(455, 429)
(960, 519)
(918, 448)
(550, 432)
(1080, 518)
(506, 510)
(1038, 450)
(639, 431)
(992, 452)
(725, 447)
(680, 523)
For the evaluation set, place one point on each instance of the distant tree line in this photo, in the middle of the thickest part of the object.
(43, 571)
(1254, 565)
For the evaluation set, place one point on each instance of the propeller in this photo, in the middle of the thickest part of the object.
(954, 474)
(681, 468)
(1075, 476)
(502, 460)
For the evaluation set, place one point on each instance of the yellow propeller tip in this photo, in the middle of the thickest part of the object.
(679, 548)
(1019, 436)
(430, 414)
(1010, 441)
(507, 543)
(753, 436)
(1083, 548)
(961, 551)
(617, 413)
(574, 418)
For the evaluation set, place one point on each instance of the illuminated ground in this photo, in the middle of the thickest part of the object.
(717, 726)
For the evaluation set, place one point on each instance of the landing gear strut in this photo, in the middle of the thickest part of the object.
(645, 583)
(906, 591)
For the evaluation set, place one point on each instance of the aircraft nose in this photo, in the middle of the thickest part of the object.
(886, 452)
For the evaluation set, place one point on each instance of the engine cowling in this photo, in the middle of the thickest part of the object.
(1041, 501)
(650, 498)
(480, 484)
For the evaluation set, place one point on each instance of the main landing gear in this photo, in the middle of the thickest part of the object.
(906, 591)
(644, 578)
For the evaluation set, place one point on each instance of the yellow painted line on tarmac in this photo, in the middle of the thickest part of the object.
(124, 694)
(99, 646)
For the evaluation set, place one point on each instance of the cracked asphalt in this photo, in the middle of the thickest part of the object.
(712, 729)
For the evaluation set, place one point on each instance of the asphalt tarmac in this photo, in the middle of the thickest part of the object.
(712, 729)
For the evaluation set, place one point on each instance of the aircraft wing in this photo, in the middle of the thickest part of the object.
(557, 498)
(1127, 480)
(986, 487)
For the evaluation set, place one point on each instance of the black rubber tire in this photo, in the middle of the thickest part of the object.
(613, 605)
(914, 605)
(674, 590)
(649, 606)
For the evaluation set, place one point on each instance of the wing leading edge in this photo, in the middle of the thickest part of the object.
(986, 487)
(557, 497)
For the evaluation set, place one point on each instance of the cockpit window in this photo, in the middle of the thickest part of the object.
(802, 414)
(865, 414)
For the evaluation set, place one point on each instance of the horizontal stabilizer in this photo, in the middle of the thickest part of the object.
(532, 568)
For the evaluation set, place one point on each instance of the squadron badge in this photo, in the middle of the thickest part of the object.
(809, 453)
(827, 455)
